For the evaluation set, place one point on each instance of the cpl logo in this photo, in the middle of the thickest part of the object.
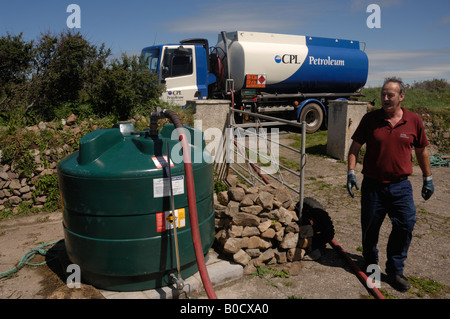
(174, 92)
(288, 59)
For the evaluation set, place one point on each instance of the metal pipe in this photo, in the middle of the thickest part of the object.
(179, 282)
(225, 44)
(302, 166)
(267, 117)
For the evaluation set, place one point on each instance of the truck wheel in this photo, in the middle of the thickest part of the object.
(312, 114)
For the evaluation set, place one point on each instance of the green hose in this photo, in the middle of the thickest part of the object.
(437, 160)
(29, 256)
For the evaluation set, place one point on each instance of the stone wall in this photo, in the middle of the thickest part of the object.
(15, 188)
(259, 225)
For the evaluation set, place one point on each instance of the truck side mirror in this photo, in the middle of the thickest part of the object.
(167, 65)
(165, 72)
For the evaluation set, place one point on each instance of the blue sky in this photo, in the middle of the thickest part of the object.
(413, 41)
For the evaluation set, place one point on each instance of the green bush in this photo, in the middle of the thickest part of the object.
(60, 74)
(125, 84)
(47, 185)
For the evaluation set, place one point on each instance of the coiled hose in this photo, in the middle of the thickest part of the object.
(25, 260)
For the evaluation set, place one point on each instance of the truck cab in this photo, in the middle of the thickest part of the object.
(182, 68)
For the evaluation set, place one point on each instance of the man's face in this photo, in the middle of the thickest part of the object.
(391, 97)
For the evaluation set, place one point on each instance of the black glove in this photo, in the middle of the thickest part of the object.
(427, 188)
(351, 181)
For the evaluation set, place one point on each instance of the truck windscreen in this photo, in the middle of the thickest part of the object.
(151, 58)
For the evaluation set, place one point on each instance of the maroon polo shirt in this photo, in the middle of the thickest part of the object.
(388, 155)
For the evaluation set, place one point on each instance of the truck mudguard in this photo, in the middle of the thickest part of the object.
(303, 103)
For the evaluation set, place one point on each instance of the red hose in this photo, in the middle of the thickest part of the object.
(360, 274)
(194, 219)
(192, 204)
(257, 170)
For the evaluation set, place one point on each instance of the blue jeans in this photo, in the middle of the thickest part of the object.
(395, 199)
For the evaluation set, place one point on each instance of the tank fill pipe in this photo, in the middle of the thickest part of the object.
(192, 204)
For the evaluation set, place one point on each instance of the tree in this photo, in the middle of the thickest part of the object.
(124, 84)
(64, 66)
(62, 73)
(16, 57)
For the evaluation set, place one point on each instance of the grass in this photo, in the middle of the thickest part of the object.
(428, 287)
(316, 143)
(289, 163)
(432, 98)
(262, 272)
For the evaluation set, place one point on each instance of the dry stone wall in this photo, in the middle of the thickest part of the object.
(15, 188)
(259, 225)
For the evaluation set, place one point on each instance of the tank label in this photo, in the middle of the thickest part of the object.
(161, 186)
(161, 161)
(165, 220)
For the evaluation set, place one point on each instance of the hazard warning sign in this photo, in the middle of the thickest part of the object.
(255, 81)
(164, 220)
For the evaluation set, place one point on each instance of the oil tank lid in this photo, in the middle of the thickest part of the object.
(125, 128)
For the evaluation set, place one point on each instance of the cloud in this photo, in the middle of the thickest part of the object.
(251, 15)
(445, 20)
(385, 57)
(410, 65)
(223, 16)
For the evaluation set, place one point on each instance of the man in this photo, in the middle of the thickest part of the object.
(389, 133)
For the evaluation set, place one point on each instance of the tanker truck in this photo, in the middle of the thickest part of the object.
(282, 75)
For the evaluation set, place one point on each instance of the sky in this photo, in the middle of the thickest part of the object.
(411, 39)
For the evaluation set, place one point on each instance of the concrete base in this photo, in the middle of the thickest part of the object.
(343, 119)
(219, 271)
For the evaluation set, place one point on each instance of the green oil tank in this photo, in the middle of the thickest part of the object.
(117, 206)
